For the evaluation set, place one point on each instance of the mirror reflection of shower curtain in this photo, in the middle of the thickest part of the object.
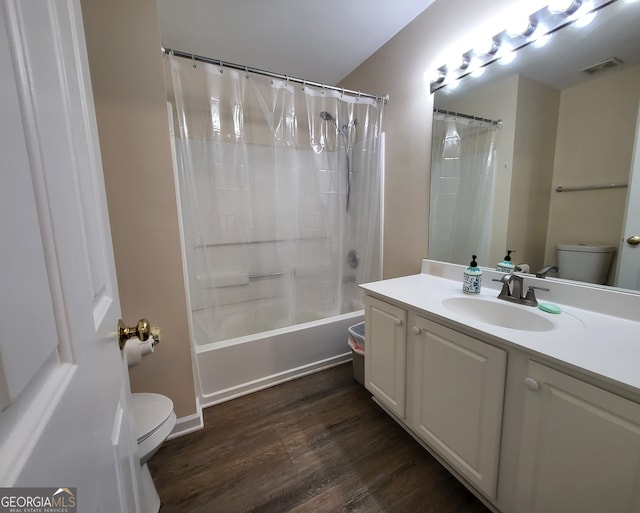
(262, 179)
(463, 165)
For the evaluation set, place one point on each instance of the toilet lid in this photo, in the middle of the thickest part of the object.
(150, 411)
(587, 248)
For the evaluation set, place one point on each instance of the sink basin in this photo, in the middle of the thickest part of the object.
(499, 313)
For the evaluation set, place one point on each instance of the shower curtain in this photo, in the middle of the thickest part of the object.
(463, 165)
(266, 168)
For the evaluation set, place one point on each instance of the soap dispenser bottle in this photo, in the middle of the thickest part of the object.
(506, 266)
(472, 278)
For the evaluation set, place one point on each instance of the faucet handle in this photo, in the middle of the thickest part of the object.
(530, 298)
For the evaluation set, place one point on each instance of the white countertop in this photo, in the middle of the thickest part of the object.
(604, 345)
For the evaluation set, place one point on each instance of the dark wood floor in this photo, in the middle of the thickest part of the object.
(317, 444)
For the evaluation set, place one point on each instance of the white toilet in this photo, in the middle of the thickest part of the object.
(154, 419)
(585, 262)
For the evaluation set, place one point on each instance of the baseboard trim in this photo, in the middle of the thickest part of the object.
(274, 379)
(188, 424)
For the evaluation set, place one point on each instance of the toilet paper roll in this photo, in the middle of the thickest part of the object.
(133, 352)
(135, 349)
(147, 347)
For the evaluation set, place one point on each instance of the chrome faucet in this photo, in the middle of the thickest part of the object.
(514, 293)
(542, 273)
(509, 293)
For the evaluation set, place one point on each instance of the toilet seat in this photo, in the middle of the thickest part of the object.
(154, 420)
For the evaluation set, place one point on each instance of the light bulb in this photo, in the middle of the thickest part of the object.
(460, 62)
(585, 20)
(478, 72)
(507, 58)
(542, 41)
(453, 85)
(563, 6)
(435, 75)
(521, 26)
(486, 47)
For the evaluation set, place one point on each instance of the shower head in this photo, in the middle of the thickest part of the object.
(326, 116)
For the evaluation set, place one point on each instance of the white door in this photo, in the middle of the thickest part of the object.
(63, 382)
(628, 271)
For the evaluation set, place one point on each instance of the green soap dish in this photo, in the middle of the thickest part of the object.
(549, 308)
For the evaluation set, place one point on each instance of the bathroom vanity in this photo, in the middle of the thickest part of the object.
(532, 411)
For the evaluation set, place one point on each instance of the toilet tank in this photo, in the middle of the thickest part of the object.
(585, 262)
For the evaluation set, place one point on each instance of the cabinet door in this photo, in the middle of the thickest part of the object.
(385, 353)
(457, 394)
(580, 447)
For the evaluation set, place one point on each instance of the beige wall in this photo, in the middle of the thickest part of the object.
(596, 131)
(533, 152)
(123, 43)
(398, 69)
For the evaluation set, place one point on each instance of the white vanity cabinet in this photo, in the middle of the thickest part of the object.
(531, 421)
(385, 354)
(448, 388)
(457, 390)
(579, 449)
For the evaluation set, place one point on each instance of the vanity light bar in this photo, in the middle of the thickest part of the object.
(541, 23)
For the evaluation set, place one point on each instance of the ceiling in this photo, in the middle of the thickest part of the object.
(316, 40)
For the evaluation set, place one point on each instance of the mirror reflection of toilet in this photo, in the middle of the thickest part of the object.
(585, 262)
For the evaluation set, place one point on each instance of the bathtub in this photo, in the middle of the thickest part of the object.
(239, 366)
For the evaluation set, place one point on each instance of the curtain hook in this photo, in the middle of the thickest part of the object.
(246, 70)
(193, 61)
(221, 67)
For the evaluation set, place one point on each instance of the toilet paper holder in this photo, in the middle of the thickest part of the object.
(143, 330)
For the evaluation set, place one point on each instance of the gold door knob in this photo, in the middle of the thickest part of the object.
(142, 330)
(633, 240)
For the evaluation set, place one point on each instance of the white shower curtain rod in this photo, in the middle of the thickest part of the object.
(265, 73)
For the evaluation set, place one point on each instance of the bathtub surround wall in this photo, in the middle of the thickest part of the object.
(123, 44)
(281, 203)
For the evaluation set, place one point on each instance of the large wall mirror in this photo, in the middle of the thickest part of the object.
(540, 152)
